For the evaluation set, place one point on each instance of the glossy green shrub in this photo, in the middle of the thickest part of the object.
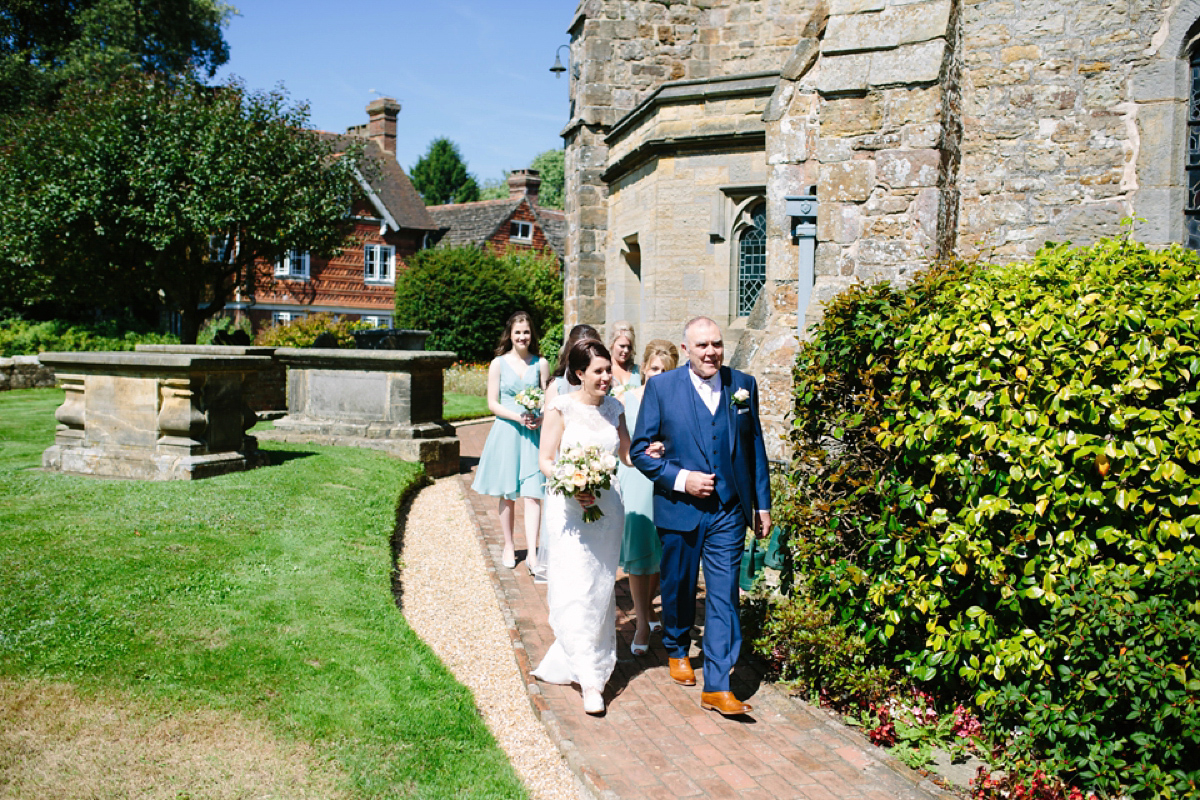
(1120, 708)
(1043, 425)
(972, 447)
(303, 332)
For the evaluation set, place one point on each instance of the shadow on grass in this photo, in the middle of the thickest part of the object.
(273, 458)
(403, 507)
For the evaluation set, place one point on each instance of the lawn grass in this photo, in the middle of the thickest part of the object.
(464, 406)
(265, 595)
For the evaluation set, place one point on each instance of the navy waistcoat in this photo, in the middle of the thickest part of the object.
(714, 433)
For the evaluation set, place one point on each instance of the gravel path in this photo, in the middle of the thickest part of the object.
(449, 600)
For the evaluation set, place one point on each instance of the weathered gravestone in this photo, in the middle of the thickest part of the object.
(387, 400)
(153, 416)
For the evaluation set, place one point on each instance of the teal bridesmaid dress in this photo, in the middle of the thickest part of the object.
(641, 550)
(508, 467)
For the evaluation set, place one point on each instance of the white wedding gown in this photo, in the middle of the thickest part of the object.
(583, 559)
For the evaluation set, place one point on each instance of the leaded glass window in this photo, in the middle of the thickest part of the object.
(752, 261)
(1192, 212)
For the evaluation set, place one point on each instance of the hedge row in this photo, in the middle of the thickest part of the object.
(19, 337)
(997, 487)
(465, 295)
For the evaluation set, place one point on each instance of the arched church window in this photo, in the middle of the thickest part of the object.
(752, 260)
(1192, 209)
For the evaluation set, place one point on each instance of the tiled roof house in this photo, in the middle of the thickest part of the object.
(390, 224)
(516, 221)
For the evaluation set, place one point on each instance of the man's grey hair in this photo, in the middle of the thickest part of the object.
(688, 325)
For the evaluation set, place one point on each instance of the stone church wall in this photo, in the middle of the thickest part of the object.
(1050, 133)
(621, 52)
(929, 129)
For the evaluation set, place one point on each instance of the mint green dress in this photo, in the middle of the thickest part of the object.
(508, 467)
(641, 550)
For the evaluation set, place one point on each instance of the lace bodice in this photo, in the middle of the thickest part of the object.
(587, 425)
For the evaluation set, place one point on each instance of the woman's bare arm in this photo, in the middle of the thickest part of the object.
(552, 430)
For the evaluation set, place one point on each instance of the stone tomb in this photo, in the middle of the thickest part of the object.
(387, 400)
(153, 416)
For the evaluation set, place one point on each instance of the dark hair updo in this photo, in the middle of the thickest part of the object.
(577, 334)
(581, 355)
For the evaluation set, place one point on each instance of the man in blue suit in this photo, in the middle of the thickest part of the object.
(711, 483)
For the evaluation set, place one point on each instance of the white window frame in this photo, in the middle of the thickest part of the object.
(524, 230)
(379, 263)
(378, 320)
(285, 317)
(293, 266)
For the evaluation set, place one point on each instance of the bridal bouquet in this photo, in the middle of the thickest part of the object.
(530, 400)
(583, 469)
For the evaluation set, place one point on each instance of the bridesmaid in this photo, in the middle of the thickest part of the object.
(560, 384)
(625, 371)
(508, 468)
(641, 550)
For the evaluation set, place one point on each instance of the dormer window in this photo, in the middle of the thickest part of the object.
(293, 266)
(379, 263)
(520, 231)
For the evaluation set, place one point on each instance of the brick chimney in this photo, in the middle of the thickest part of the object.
(381, 123)
(524, 183)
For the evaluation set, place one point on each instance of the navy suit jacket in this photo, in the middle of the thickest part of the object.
(668, 415)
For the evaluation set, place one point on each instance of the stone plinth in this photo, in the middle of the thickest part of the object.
(266, 394)
(153, 416)
(383, 399)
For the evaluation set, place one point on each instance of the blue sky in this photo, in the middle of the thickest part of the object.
(475, 71)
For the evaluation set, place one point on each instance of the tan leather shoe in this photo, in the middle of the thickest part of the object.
(682, 672)
(723, 703)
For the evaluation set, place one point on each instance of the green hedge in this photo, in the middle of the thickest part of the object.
(976, 450)
(19, 337)
(465, 295)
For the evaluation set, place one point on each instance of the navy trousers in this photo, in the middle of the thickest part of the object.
(718, 543)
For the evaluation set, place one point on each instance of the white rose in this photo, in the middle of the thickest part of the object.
(741, 395)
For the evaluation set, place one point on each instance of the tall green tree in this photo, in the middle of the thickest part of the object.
(441, 175)
(151, 190)
(45, 44)
(551, 166)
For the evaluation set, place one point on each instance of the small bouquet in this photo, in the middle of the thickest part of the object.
(531, 400)
(583, 469)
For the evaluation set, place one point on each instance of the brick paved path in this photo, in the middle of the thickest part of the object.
(655, 741)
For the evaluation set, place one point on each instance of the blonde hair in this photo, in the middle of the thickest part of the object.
(661, 349)
(620, 329)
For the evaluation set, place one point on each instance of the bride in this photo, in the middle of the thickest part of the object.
(583, 555)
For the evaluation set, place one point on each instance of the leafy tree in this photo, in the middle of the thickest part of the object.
(441, 175)
(45, 44)
(494, 188)
(146, 190)
(551, 166)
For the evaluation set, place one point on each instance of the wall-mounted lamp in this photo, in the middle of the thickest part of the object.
(558, 69)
